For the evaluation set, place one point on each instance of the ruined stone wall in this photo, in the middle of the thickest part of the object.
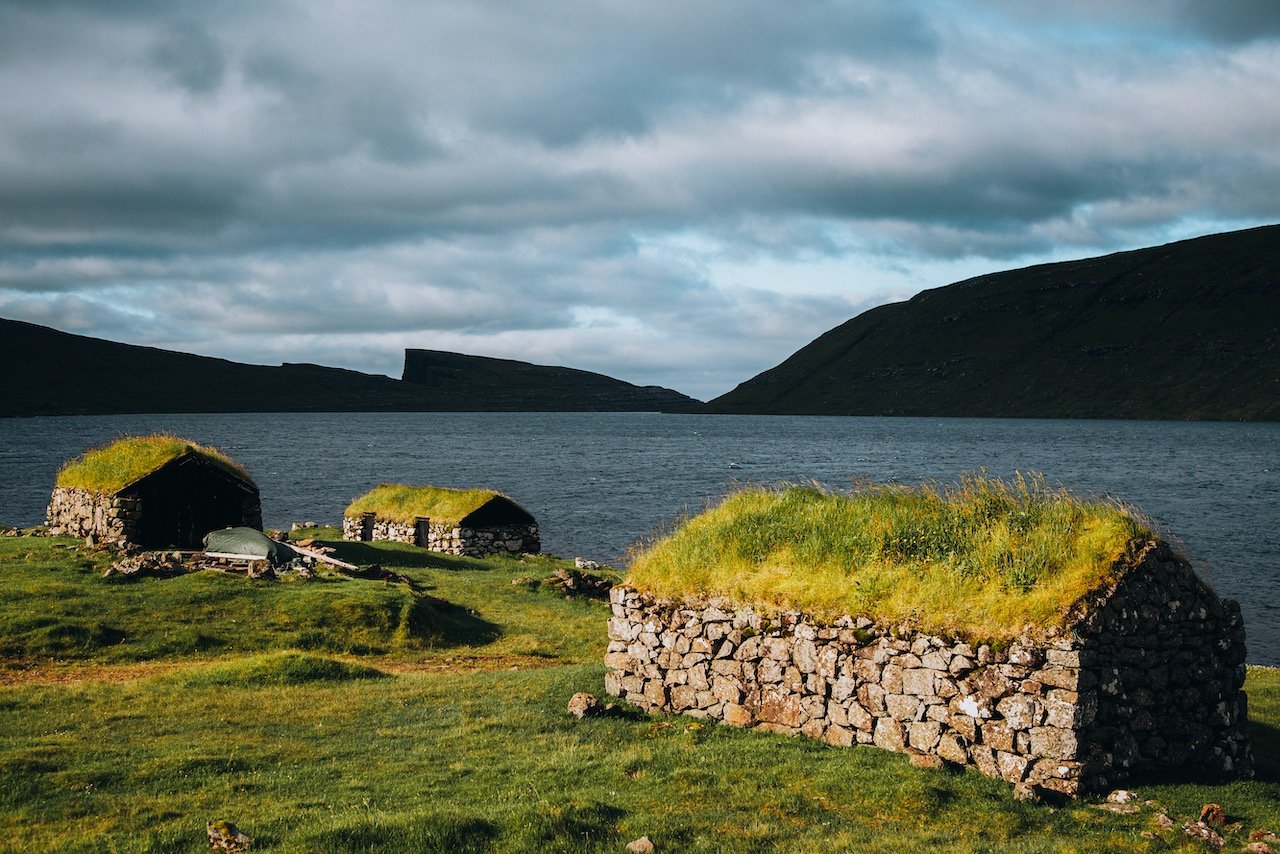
(1074, 713)
(451, 539)
(82, 513)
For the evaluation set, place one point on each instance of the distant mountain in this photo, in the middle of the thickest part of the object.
(47, 372)
(521, 386)
(1189, 330)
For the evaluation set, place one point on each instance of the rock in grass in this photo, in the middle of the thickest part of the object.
(926, 760)
(225, 836)
(1027, 793)
(643, 845)
(1119, 809)
(1205, 833)
(583, 705)
(1213, 814)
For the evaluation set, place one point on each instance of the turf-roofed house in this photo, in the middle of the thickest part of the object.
(1052, 641)
(152, 491)
(471, 522)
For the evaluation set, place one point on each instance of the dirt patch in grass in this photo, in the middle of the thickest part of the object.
(19, 672)
(471, 664)
(25, 672)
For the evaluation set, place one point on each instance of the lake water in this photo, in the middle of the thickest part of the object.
(600, 482)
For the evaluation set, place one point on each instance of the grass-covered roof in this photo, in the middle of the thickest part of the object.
(405, 504)
(110, 468)
(985, 559)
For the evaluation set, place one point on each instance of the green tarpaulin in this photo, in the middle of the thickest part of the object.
(248, 543)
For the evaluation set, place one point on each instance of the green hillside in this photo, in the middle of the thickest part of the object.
(1190, 330)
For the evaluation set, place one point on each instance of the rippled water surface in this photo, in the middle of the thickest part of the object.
(600, 482)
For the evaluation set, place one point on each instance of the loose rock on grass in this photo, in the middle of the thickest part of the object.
(147, 564)
(583, 705)
(225, 836)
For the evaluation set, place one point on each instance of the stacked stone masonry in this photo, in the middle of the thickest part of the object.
(1147, 675)
(81, 513)
(450, 539)
(117, 518)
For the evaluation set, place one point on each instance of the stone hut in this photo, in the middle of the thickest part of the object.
(154, 492)
(471, 522)
(1142, 674)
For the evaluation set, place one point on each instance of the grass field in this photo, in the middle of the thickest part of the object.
(180, 701)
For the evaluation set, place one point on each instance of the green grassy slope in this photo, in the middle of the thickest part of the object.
(1190, 330)
(466, 745)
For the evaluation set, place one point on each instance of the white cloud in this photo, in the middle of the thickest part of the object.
(676, 193)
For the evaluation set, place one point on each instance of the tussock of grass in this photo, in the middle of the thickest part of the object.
(405, 504)
(112, 467)
(984, 559)
(278, 668)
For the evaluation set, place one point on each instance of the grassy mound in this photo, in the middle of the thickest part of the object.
(985, 559)
(278, 668)
(55, 611)
(112, 467)
(405, 504)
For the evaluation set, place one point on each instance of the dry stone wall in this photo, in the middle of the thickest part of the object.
(449, 539)
(82, 513)
(75, 512)
(354, 528)
(1148, 676)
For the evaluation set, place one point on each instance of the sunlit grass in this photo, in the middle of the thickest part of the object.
(109, 468)
(313, 751)
(983, 559)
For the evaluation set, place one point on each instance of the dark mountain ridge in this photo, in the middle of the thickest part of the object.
(521, 386)
(1188, 330)
(47, 372)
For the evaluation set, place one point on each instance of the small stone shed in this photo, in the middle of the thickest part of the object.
(1144, 674)
(154, 492)
(470, 522)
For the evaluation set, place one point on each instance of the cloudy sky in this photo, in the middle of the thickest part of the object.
(680, 193)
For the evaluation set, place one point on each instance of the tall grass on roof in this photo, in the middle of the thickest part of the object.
(401, 503)
(983, 559)
(110, 468)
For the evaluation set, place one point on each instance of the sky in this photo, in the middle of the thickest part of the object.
(672, 193)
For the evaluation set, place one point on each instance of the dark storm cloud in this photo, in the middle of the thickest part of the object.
(1231, 21)
(597, 184)
(188, 55)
